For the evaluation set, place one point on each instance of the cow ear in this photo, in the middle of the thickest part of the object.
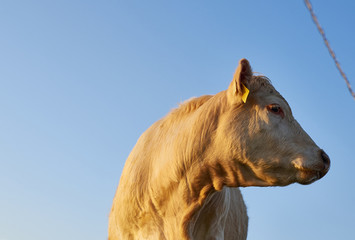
(238, 89)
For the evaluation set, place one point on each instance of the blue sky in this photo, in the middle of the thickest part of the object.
(81, 80)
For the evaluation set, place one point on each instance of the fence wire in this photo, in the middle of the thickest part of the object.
(331, 52)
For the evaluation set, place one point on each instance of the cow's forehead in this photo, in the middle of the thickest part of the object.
(261, 82)
(262, 87)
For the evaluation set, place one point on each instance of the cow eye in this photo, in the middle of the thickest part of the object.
(275, 109)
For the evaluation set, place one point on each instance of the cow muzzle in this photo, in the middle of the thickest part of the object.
(326, 163)
(308, 174)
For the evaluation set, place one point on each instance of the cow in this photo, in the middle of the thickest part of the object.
(182, 178)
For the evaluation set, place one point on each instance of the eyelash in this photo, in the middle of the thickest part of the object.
(275, 109)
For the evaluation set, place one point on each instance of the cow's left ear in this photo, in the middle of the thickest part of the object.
(238, 89)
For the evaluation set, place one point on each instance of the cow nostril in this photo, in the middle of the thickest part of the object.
(325, 160)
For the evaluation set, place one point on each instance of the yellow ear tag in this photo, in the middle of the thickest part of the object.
(245, 93)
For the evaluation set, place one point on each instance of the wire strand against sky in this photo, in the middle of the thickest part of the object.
(331, 52)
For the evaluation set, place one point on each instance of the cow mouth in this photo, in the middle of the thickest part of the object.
(307, 176)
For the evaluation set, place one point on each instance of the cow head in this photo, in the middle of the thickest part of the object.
(263, 139)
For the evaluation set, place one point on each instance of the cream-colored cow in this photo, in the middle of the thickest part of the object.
(181, 179)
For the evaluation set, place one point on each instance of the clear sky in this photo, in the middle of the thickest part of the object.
(81, 80)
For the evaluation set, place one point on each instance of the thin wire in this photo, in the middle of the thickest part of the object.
(331, 52)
